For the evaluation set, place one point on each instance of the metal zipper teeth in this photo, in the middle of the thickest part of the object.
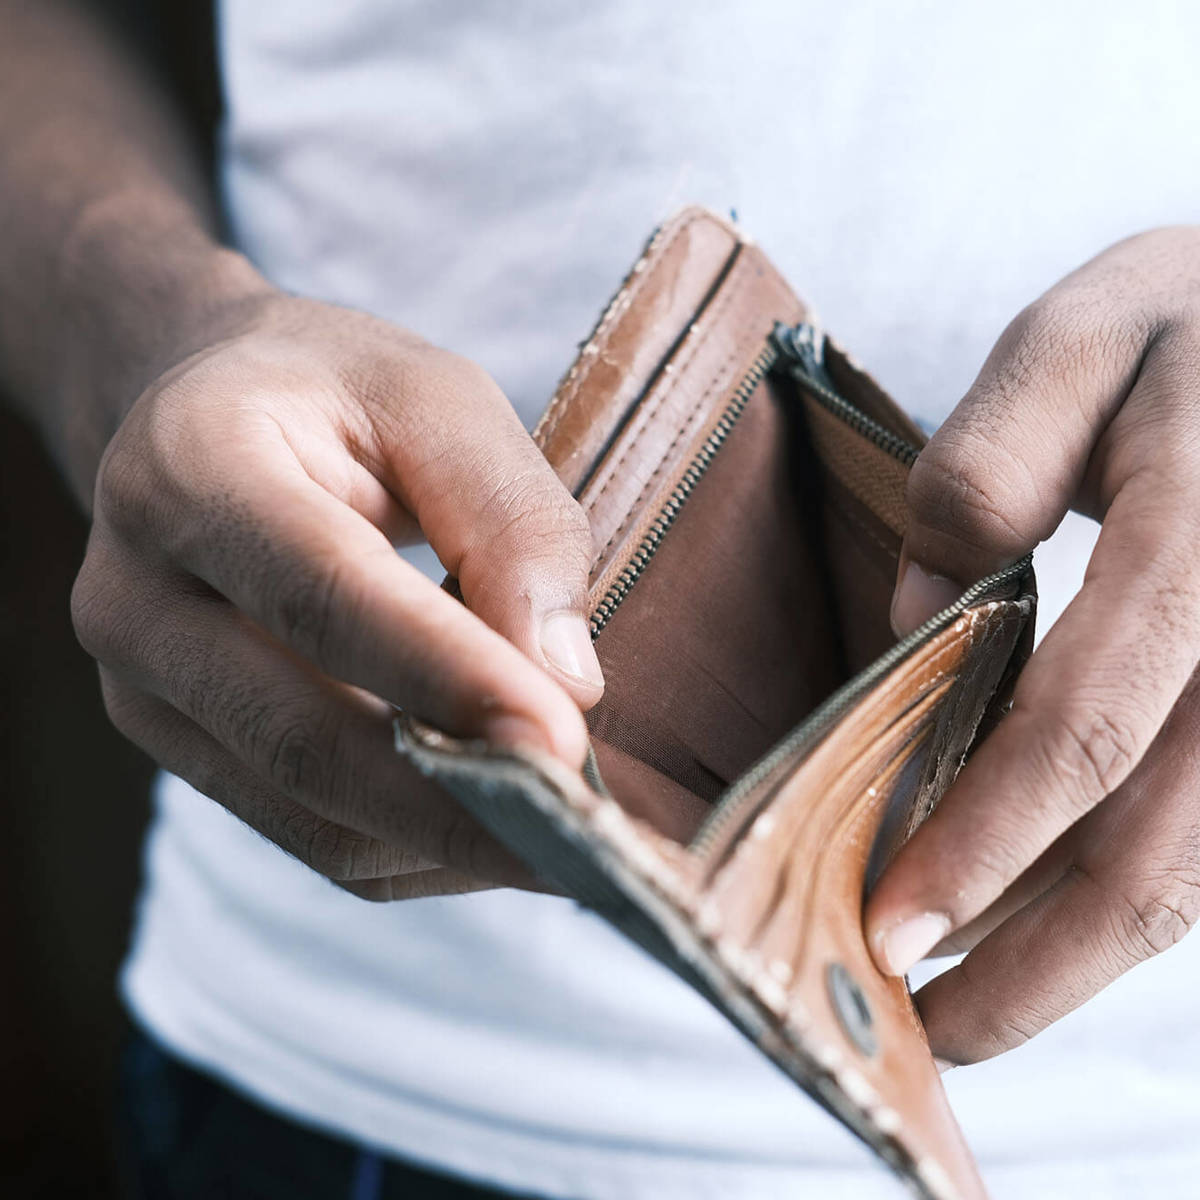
(858, 420)
(694, 472)
(749, 786)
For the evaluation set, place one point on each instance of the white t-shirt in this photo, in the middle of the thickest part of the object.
(484, 174)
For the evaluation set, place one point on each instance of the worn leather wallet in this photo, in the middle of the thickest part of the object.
(764, 743)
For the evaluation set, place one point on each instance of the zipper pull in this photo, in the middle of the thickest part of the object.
(802, 347)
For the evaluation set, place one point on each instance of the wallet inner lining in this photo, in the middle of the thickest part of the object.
(770, 590)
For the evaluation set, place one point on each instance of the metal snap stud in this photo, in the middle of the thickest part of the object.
(852, 1008)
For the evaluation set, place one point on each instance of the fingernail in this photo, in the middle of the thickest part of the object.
(919, 595)
(904, 945)
(567, 645)
(943, 1065)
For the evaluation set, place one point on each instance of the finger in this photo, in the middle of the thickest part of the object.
(1132, 892)
(327, 583)
(440, 881)
(187, 751)
(341, 854)
(1088, 705)
(323, 745)
(418, 885)
(363, 866)
(1007, 464)
(1027, 887)
(454, 451)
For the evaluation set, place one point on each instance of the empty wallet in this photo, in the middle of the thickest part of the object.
(764, 744)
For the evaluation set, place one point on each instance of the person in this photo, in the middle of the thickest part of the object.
(428, 204)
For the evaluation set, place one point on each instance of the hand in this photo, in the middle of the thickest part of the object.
(1069, 848)
(254, 624)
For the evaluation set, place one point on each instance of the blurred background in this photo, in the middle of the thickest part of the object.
(74, 797)
(74, 806)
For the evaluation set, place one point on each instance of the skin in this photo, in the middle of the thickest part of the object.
(250, 457)
(1069, 848)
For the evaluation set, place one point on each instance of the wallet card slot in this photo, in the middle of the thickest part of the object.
(868, 457)
(875, 477)
(750, 787)
(701, 735)
(767, 881)
(729, 637)
(670, 439)
(647, 546)
(802, 352)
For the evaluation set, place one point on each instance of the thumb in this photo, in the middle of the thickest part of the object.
(504, 525)
(1001, 473)
(523, 566)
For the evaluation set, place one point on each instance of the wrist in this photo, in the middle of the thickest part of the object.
(136, 297)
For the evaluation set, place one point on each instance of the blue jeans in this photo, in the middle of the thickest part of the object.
(186, 1136)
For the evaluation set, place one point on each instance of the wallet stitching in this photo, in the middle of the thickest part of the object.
(735, 353)
(680, 372)
(618, 308)
(636, 505)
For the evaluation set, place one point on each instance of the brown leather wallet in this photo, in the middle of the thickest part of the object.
(764, 744)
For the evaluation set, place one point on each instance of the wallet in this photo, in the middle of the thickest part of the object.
(764, 743)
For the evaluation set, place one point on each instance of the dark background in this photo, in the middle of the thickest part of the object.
(73, 793)
(75, 800)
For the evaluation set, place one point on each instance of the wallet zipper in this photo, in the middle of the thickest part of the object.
(801, 348)
(759, 780)
(693, 473)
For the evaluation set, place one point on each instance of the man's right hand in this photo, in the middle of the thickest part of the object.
(253, 623)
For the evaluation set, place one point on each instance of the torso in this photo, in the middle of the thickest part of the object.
(484, 175)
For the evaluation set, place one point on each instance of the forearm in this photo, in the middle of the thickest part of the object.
(109, 264)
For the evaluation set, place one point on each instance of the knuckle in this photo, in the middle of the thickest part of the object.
(1146, 923)
(963, 487)
(574, 524)
(431, 379)
(1028, 339)
(535, 509)
(1043, 345)
(544, 522)
(91, 609)
(341, 854)
(1008, 1031)
(300, 752)
(126, 494)
(1045, 325)
(464, 375)
(1179, 333)
(1064, 331)
(116, 616)
(1088, 754)
(533, 526)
